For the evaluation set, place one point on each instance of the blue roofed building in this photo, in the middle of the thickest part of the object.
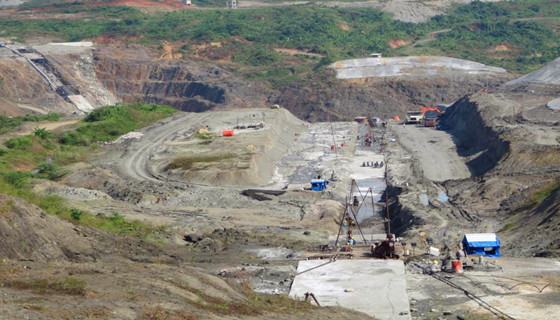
(483, 244)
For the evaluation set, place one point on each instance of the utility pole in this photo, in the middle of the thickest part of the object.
(387, 212)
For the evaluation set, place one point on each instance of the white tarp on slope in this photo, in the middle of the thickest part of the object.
(81, 103)
(549, 74)
(413, 66)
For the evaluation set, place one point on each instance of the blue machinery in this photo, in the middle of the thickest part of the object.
(319, 184)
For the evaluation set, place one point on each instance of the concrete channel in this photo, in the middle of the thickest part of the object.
(374, 287)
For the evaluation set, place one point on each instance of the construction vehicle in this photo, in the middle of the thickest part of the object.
(414, 116)
(427, 111)
(426, 115)
(431, 115)
(430, 121)
(385, 249)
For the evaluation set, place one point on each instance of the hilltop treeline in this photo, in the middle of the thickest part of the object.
(525, 31)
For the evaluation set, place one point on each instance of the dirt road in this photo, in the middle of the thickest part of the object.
(135, 161)
(434, 150)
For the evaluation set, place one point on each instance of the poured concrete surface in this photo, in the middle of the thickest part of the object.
(420, 66)
(376, 287)
(434, 150)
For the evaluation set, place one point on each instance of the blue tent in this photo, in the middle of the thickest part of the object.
(319, 184)
(484, 244)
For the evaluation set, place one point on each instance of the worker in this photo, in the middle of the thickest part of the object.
(434, 267)
(352, 241)
(460, 253)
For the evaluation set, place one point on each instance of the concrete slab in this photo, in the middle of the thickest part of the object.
(420, 66)
(374, 287)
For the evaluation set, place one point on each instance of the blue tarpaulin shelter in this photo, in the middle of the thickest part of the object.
(319, 184)
(484, 244)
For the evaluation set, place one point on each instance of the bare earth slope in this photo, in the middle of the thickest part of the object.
(510, 142)
(52, 269)
(28, 233)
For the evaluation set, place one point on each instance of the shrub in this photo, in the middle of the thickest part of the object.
(19, 143)
(76, 214)
(49, 171)
(42, 133)
(18, 179)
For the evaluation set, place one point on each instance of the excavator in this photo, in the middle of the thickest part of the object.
(430, 119)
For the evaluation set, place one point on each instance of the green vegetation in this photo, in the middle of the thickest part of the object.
(490, 33)
(539, 195)
(8, 123)
(186, 163)
(108, 123)
(104, 124)
(508, 227)
(520, 35)
(204, 135)
(56, 285)
(255, 304)
(42, 154)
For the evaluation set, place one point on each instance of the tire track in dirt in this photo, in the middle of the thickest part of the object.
(136, 162)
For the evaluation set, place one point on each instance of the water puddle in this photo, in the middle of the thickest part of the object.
(424, 199)
(442, 196)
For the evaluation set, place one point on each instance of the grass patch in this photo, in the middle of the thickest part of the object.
(204, 135)
(186, 163)
(539, 195)
(508, 227)
(17, 184)
(25, 158)
(256, 304)
(103, 124)
(51, 285)
(108, 123)
(8, 123)
(158, 313)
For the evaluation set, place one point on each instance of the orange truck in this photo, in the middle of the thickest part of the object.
(430, 118)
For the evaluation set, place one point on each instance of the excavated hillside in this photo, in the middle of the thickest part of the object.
(108, 74)
(135, 73)
(333, 99)
(23, 91)
(510, 141)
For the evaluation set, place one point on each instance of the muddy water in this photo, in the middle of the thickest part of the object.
(370, 184)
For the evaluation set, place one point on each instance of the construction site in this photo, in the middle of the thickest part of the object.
(440, 204)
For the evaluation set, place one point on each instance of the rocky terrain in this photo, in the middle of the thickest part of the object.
(508, 140)
(52, 269)
(106, 74)
(230, 217)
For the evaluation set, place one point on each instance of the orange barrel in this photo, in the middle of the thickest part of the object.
(227, 133)
(457, 266)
